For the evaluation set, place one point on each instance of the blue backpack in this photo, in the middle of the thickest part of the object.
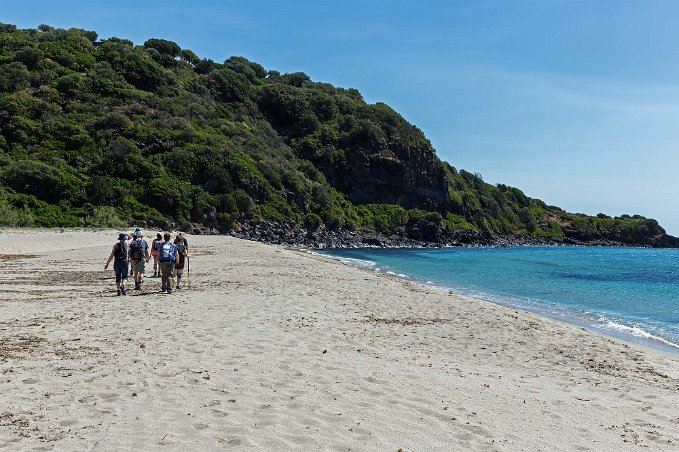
(168, 252)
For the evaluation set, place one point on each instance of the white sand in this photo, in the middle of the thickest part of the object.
(280, 350)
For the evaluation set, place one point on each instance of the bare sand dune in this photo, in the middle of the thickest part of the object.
(277, 349)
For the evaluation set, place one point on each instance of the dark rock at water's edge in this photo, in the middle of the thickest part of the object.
(295, 235)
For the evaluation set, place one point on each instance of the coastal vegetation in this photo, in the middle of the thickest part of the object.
(107, 133)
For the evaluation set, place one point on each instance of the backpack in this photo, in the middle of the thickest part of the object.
(120, 252)
(168, 252)
(180, 248)
(136, 250)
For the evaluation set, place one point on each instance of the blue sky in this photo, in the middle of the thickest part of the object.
(575, 102)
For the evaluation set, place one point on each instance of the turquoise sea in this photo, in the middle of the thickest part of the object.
(630, 293)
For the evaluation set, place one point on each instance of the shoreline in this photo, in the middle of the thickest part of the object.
(433, 236)
(294, 237)
(272, 235)
(645, 339)
(275, 348)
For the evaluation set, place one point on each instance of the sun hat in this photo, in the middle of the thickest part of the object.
(122, 236)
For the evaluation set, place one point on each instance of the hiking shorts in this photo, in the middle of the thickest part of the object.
(139, 266)
(121, 269)
(180, 265)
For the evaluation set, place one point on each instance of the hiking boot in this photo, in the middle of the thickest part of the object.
(137, 286)
(169, 291)
(118, 293)
(178, 287)
(123, 291)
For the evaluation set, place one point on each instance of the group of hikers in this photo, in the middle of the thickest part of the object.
(131, 254)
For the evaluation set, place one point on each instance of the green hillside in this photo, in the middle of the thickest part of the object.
(108, 133)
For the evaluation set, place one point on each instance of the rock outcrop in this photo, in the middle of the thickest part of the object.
(407, 175)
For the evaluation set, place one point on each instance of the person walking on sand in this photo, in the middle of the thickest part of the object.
(180, 236)
(139, 256)
(167, 259)
(120, 253)
(134, 233)
(183, 253)
(155, 250)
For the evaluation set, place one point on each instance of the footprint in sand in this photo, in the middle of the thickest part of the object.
(108, 396)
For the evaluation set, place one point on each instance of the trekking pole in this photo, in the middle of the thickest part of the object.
(188, 272)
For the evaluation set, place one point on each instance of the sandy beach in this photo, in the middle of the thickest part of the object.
(279, 349)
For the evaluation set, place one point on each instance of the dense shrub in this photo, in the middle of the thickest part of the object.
(103, 133)
(44, 182)
(312, 222)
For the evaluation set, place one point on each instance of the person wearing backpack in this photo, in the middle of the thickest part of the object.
(167, 259)
(120, 253)
(155, 250)
(139, 256)
(183, 253)
(180, 236)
